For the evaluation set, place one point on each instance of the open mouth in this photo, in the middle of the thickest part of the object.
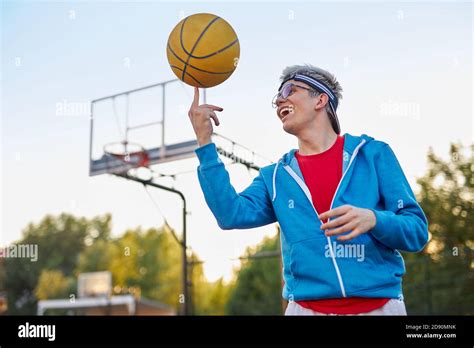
(285, 111)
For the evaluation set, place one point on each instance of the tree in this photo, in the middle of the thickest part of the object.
(257, 285)
(209, 298)
(59, 240)
(142, 262)
(218, 296)
(2, 274)
(96, 257)
(440, 279)
(53, 284)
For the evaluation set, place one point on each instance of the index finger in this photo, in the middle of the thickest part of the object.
(196, 96)
(334, 212)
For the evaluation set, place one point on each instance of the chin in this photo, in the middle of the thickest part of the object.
(289, 129)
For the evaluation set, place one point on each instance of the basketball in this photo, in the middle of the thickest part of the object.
(203, 50)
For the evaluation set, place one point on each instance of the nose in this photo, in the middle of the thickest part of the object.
(278, 100)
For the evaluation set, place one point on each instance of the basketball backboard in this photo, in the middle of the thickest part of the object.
(94, 284)
(151, 118)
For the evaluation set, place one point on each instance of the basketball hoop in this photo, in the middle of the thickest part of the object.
(131, 154)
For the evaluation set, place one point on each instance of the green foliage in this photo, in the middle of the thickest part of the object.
(53, 284)
(60, 241)
(218, 295)
(96, 257)
(2, 274)
(146, 263)
(440, 280)
(257, 288)
(209, 298)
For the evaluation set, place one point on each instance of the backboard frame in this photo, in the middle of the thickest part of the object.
(94, 284)
(164, 153)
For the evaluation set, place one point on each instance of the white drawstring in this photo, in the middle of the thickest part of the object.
(274, 181)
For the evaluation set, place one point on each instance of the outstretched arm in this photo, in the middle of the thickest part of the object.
(252, 207)
(248, 209)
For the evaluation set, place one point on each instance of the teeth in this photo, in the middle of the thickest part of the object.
(284, 110)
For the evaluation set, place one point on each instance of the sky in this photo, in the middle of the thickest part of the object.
(405, 67)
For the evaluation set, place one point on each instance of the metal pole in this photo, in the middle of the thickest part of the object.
(186, 281)
(134, 90)
(187, 297)
(163, 149)
(126, 117)
(91, 134)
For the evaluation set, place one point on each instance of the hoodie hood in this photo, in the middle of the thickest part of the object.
(352, 144)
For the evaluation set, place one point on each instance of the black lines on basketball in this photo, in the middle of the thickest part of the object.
(187, 73)
(195, 67)
(216, 52)
(197, 41)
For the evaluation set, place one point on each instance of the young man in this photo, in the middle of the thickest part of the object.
(343, 203)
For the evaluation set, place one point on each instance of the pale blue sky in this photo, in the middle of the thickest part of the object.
(384, 55)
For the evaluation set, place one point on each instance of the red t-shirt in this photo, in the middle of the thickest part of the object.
(322, 173)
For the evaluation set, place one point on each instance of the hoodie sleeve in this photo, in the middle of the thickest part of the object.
(402, 225)
(248, 209)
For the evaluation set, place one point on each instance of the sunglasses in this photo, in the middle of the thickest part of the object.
(286, 91)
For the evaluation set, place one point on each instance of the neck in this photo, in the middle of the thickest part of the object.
(316, 139)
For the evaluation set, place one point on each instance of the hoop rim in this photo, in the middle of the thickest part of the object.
(143, 159)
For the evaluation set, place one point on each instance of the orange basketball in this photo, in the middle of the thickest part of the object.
(203, 50)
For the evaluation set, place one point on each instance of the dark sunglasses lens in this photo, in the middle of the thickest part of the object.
(286, 90)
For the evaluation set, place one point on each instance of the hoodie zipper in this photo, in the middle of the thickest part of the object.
(306, 191)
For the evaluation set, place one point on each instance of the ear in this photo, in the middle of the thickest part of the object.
(322, 101)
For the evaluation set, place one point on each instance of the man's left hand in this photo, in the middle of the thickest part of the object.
(349, 218)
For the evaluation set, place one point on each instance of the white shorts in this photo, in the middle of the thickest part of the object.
(392, 307)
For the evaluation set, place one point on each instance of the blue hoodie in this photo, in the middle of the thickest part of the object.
(316, 266)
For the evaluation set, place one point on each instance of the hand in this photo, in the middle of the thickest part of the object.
(200, 116)
(357, 220)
